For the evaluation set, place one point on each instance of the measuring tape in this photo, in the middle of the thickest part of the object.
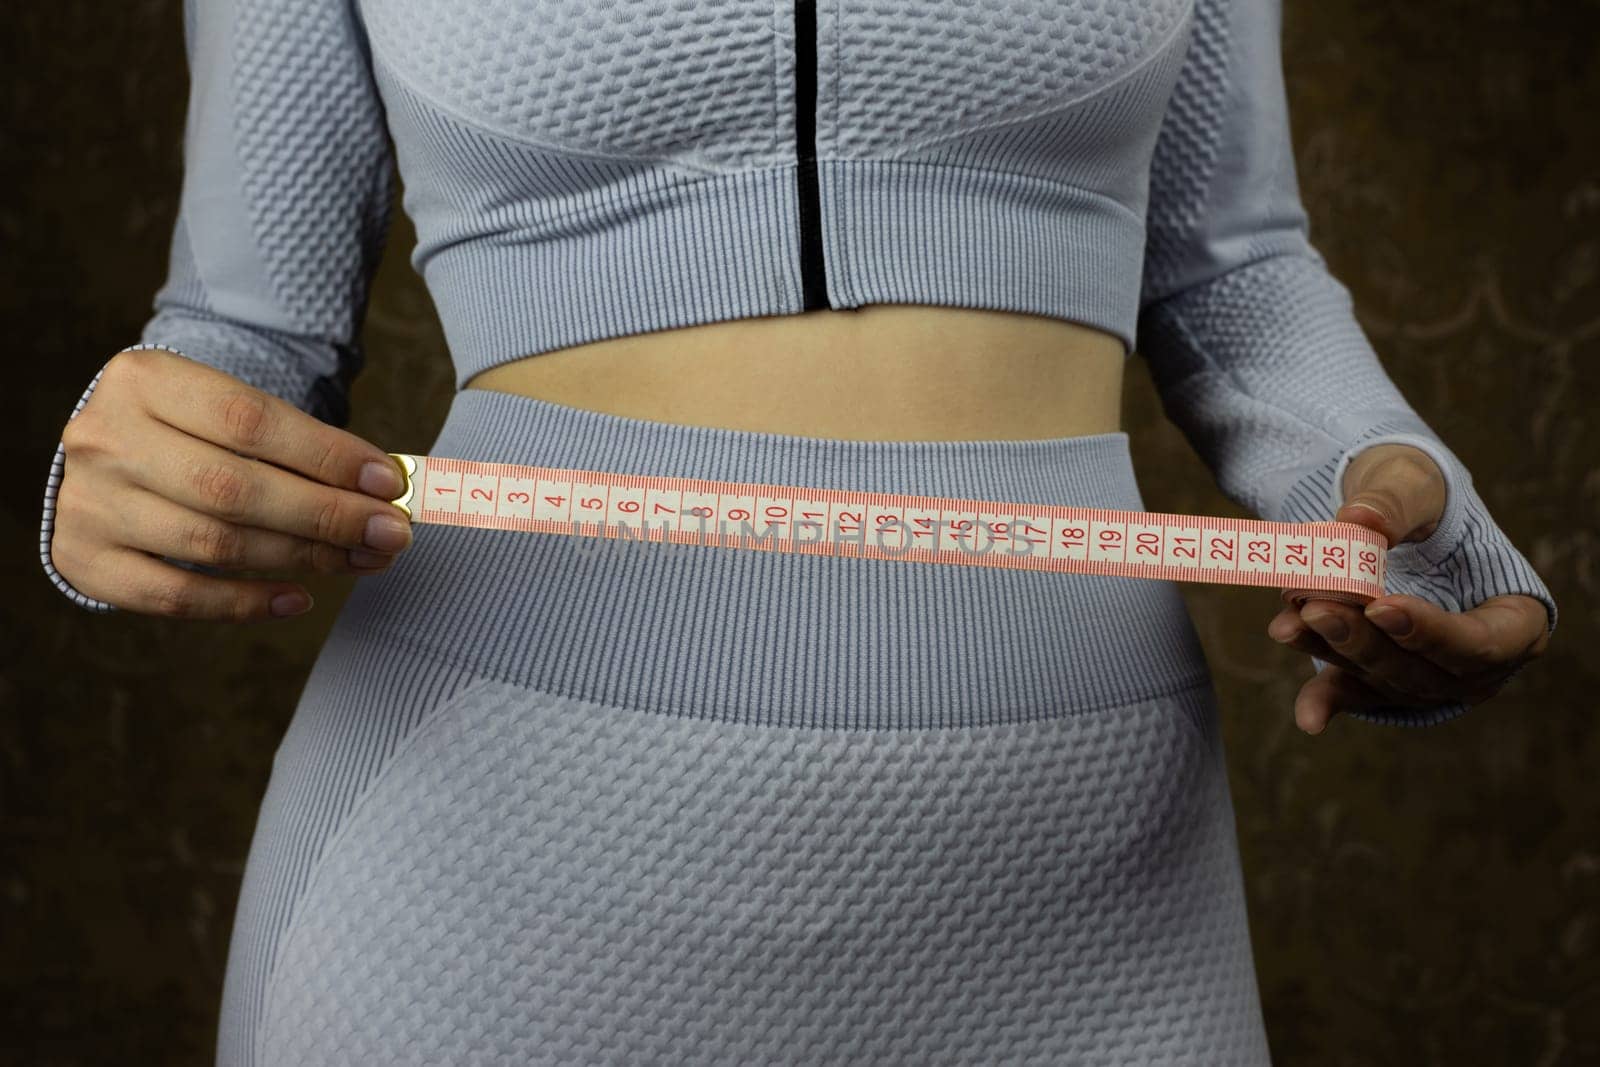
(1318, 560)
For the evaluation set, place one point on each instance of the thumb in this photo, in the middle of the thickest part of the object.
(1396, 490)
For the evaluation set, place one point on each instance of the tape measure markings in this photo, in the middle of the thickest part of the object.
(1328, 560)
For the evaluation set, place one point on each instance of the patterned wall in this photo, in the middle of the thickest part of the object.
(1420, 897)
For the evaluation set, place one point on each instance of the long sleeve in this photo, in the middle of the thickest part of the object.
(1254, 346)
(287, 191)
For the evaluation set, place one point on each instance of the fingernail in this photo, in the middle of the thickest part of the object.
(360, 557)
(1389, 619)
(381, 480)
(1330, 626)
(291, 604)
(387, 533)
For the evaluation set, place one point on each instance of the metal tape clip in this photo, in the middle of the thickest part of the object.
(408, 467)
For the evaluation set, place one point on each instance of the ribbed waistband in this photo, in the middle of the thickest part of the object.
(772, 637)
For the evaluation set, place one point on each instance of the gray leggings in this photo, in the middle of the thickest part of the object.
(549, 799)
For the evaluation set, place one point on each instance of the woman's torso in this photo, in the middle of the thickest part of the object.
(881, 372)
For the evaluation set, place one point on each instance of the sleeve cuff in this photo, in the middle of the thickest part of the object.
(47, 524)
(1466, 559)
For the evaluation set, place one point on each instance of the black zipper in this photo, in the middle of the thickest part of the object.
(813, 275)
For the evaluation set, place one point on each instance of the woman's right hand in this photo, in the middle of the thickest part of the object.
(154, 468)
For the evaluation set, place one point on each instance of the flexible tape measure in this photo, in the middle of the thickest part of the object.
(1318, 560)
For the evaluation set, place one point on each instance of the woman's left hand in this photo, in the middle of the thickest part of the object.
(1402, 649)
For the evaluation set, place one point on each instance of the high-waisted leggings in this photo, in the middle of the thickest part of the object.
(562, 800)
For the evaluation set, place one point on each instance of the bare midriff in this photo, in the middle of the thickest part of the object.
(898, 372)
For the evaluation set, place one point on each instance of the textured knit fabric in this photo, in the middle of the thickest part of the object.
(714, 806)
(568, 801)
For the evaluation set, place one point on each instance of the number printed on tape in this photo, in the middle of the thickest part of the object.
(1182, 547)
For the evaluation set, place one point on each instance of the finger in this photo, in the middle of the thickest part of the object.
(1375, 654)
(152, 523)
(218, 408)
(1287, 627)
(214, 481)
(1500, 632)
(138, 582)
(1333, 691)
(1400, 486)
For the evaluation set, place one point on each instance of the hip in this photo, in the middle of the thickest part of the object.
(639, 802)
(544, 879)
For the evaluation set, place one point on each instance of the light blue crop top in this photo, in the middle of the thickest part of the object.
(586, 170)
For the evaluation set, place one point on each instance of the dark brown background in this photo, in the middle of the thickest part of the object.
(1417, 897)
